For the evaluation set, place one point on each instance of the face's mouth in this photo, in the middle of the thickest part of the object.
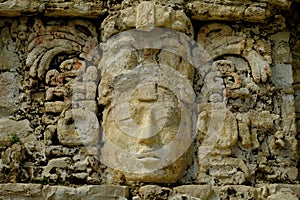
(147, 155)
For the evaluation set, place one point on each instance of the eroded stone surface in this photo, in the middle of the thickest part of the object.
(8, 54)
(10, 128)
(9, 94)
(282, 75)
(148, 117)
(78, 127)
(145, 17)
(12, 8)
(233, 91)
(37, 191)
(234, 10)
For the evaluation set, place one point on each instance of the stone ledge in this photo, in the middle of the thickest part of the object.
(235, 10)
(10, 8)
(72, 8)
(261, 191)
(22, 191)
(199, 9)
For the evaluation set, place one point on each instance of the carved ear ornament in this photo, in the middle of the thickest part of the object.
(49, 41)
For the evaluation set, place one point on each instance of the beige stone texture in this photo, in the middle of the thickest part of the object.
(150, 128)
(281, 50)
(103, 99)
(282, 75)
(49, 41)
(234, 10)
(37, 191)
(10, 128)
(198, 191)
(16, 8)
(8, 55)
(9, 93)
(55, 107)
(147, 113)
(12, 8)
(78, 127)
(146, 16)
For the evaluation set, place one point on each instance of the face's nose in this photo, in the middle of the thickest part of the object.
(149, 128)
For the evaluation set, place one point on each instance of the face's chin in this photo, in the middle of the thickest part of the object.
(169, 174)
(151, 166)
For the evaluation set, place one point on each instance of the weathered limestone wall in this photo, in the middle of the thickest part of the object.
(139, 99)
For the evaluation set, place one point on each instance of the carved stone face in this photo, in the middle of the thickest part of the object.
(156, 114)
(147, 129)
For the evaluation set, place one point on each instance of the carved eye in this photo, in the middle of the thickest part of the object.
(69, 121)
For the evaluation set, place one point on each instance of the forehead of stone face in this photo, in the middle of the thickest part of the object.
(124, 51)
(157, 101)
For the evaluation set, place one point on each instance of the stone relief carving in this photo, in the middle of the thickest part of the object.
(234, 10)
(242, 67)
(147, 118)
(82, 102)
(147, 115)
(145, 16)
(57, 55)
(230, 84)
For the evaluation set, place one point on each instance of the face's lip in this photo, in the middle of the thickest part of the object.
(147, 155)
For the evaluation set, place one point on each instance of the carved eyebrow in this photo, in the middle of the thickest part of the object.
(126, 118)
